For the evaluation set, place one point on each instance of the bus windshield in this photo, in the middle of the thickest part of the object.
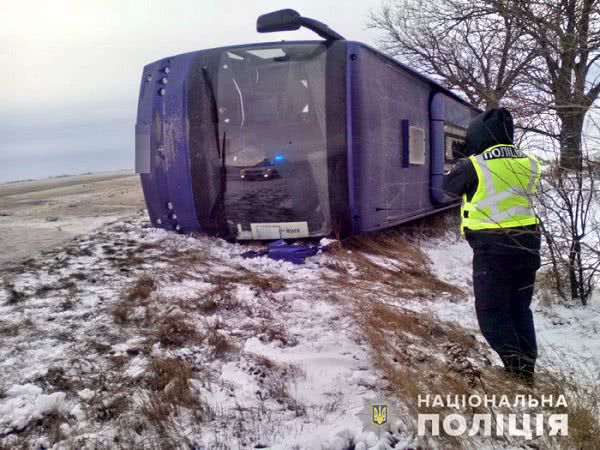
(271, 110)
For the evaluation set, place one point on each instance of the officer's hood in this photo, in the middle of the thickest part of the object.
(490, 128)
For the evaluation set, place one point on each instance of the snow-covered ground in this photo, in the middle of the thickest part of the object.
(568, 337)
(297, 372)
(40, 214)
(131, 337)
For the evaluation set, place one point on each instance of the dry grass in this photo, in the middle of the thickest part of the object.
(57, 378)
(168, 380)
(269, 331)
(112, 408)
(221, 296)
(188, 258)
(262, 366)
(143, 287)
(157, 412)
(275, 380)
(546, 282)
(433, 226)
(404, 338)
(419, 354)
(401, 341)
(64, 283)
(269, 283)
(262, 361)
(207, 305)
(584, 430)
(386, 263)
(28, 265)
(121, 312)
(50, 425)
(171, 377)
(124, 256)
(279, 390)
(12, 329)
(79, 276)
(219, 344)
(175, 331)
(582, 393)
(14, 295)
(136, 295)
(97, 346)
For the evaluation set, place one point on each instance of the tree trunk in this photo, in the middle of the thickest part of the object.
(491, 103)
(571, 154)
(572, 274)
(580, 275)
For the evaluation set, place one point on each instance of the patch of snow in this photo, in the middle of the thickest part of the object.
(25, 403)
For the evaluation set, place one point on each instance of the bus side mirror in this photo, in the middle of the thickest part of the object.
(282, 20)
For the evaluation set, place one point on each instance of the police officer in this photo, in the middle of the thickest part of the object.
(496, 182)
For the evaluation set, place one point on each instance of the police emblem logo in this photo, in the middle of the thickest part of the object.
(379, 414)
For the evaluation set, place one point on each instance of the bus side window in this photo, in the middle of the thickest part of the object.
(454, 140)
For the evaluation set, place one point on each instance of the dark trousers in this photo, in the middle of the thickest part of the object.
(503, 287)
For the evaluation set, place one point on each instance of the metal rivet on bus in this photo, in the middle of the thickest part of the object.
(164, 80)
(158, 222)
(167, 69)
(148, 77)
(173, 216)
(162, 91)
(178, 227)
(170, 205)
(225, 66)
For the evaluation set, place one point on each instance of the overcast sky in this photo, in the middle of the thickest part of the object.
(70, 69)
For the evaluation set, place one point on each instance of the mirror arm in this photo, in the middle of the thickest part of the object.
(321, 29)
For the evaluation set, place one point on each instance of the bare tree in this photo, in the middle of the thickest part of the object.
(567, 35)
(566, 202)
(463, 44)
(537, 58)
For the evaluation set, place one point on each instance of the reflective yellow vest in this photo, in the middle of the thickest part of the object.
(507, 179)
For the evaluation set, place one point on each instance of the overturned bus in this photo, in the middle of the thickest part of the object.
(293, 139)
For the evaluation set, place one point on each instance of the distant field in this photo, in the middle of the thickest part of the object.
(40, 214)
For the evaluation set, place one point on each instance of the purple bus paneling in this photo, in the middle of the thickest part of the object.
(383, 95)
(167, 188)
(176, 146)
(351, 116)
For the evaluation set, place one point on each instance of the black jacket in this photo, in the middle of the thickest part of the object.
(491, 128)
